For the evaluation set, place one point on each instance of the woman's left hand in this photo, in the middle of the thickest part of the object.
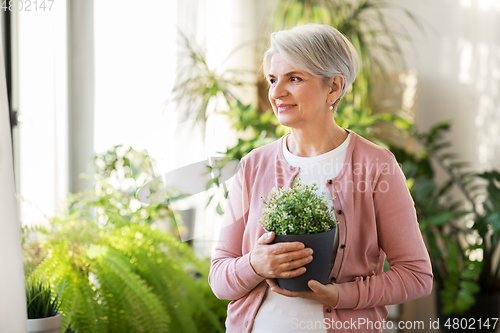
(325, 294)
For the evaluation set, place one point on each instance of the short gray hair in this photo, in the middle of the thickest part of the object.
(319, 49)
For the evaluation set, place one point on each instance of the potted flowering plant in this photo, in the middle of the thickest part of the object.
(301, 214)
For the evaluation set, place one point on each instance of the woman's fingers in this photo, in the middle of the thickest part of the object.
(283, 260)
(266, 238)
(317, 287)
(294, 268)
(291, 273)
(293, 256)
(288, 269)
(286, 247)
(277, 289)
(291, 263)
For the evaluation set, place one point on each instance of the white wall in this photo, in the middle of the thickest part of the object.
(458, 66)
(13, 317)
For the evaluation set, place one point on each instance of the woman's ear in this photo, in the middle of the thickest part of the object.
(336, 84)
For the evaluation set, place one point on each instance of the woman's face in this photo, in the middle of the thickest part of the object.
(298, 98)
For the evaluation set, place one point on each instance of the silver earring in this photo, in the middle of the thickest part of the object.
(331, 107)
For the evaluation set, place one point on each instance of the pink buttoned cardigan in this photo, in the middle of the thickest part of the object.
(376, 217)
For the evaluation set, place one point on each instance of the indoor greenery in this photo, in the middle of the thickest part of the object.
(121, 272)
(41, 302)
(297, 211)
(459, 219)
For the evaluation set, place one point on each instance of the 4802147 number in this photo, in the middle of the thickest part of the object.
(471, 323)
(27, 5)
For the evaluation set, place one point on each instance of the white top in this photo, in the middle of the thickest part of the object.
(279, 313)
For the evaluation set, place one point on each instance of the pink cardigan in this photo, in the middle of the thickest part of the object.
(376, 217)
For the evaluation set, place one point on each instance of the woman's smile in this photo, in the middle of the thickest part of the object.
(285, 107)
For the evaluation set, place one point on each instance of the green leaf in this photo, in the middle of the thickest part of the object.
(472, 269)
(441, 218)
(453, 255)
(219, 209)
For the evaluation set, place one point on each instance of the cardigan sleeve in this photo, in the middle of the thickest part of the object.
(231, 275)
(410, 274)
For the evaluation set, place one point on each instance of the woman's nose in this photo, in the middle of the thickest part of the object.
(278, 91)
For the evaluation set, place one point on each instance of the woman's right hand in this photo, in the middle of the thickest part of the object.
(280, 260)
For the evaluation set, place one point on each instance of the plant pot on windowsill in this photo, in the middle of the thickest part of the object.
(45, 325)
(42, 306)
(300, 214)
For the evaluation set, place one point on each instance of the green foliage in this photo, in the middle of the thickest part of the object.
(41, 301)
(487, 224)
(461, 234)
(297, 211)
(261, 128)
(197, 84)
(440, 219)
(120, 271)
(362, 121)
(119, 174)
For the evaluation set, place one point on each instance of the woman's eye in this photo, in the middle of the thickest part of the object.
(295, 79)
(271, 81)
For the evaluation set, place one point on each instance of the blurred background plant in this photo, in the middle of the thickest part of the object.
(122, 269)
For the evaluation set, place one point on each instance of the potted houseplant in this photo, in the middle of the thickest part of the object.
(300, 214)
(42, 306)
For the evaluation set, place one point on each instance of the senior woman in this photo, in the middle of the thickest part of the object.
(309, 69)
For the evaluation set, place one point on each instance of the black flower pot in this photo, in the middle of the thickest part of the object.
(318, 268)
